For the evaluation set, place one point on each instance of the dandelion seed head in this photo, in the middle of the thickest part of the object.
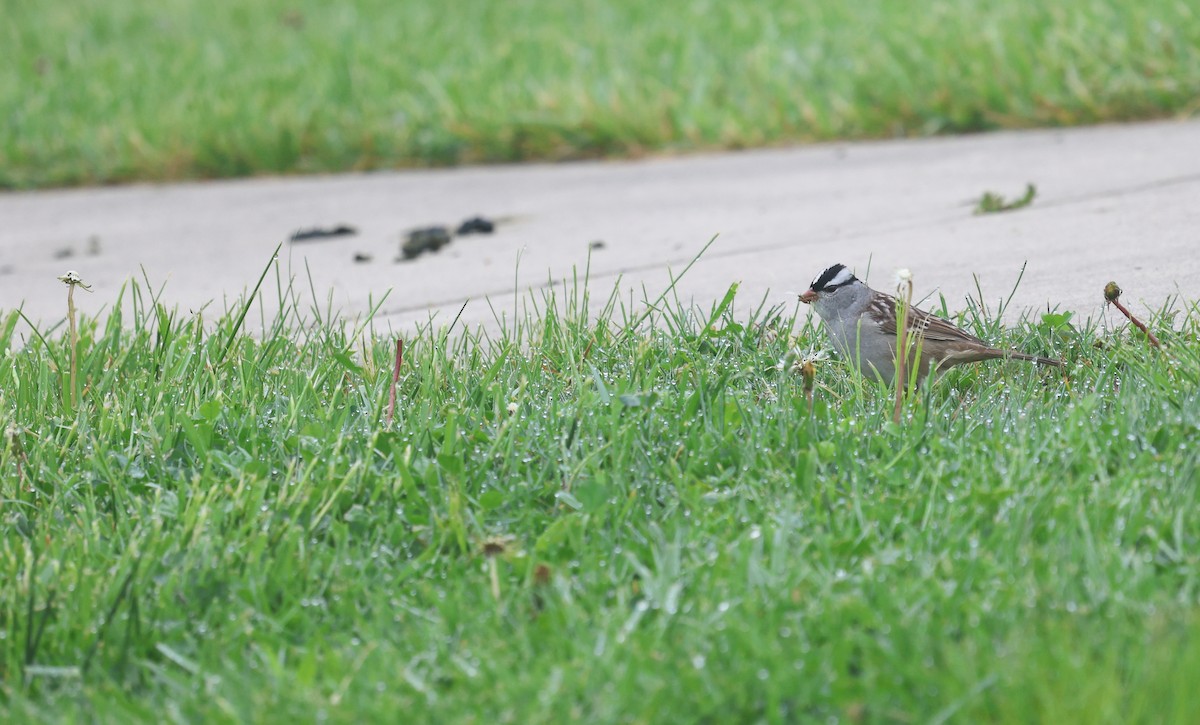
(72, 279)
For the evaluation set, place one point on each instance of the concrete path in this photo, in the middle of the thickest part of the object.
(1114, 202)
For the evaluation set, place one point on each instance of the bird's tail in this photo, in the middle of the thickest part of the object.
(1014, 355)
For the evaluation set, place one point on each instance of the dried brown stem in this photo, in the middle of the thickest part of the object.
(391, 411)
(809, 371)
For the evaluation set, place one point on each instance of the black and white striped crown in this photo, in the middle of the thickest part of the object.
(836, 276)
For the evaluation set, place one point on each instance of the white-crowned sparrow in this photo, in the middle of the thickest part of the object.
(861, 323)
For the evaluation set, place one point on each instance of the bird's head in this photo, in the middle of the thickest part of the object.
(828, 283)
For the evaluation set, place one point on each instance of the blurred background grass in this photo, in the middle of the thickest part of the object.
(124, 90)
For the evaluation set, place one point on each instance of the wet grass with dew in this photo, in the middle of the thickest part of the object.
(615, 519)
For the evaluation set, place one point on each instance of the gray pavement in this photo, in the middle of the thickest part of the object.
(1114, 202)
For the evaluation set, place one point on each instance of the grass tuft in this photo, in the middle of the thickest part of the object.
(992, 203)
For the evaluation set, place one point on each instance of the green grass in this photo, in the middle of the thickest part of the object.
(635, 520)
(126, 90)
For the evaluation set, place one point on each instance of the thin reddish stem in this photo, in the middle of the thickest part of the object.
(1138, 323)
(391, 411)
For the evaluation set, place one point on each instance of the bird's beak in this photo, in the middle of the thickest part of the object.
(808, 296)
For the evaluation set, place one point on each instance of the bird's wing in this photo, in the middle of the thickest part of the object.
(927, 325)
